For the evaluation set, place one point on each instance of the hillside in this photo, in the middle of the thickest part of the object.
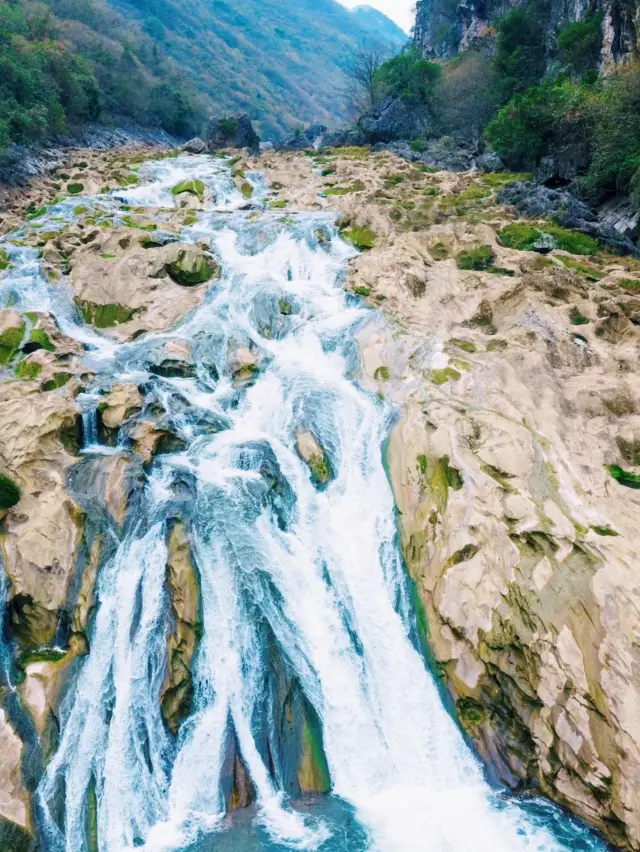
(380, 27)
(282, 63)
(170, 63)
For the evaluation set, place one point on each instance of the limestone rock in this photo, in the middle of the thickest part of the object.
(184, 585)
(235, 131)
(15, 802)
(195, 146)
(119, 404)
(314, 455)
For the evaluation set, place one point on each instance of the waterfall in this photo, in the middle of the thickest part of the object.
(294, 576)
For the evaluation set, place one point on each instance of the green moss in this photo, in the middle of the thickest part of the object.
(578, 318)
(452, 475)
(190, 187)
(463, 555)
(10, 493)
(284, 307)
(58, 380)
(351, 152)
(573, 241)
(525, 237)
(439, 251)
(190, 218)
(10, 341)
(382, 374)
(497, 180)
(75, 188)
(104, 316)
(497, 345)
(624, 477)
(40, 339)
(441, 377)
(356, 186)
(41, 655)
(465, 345)
(80, 210)
(247, 190)
(631, 284)
(127, 180)
(107, 256)
(28, 370)
(470, 712)
(604, 531)
(394, 180)
(191, 270)
(476, 259)
(5, 263)
(33, 213)
(365, 292)
(128, 221)
(278, 205)
(360, 237)
(423, 464)
(320, 469)
(587, 270)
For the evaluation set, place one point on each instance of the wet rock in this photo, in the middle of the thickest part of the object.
(189, 266)
(184, 587)
(621, 215)
(149, 441)
(234, 131)
(243, 362)
(119, 404)
(195, 146)
(562, 167)
(173, 368)
(315, 457)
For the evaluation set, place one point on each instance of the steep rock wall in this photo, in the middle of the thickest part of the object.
(444, 28)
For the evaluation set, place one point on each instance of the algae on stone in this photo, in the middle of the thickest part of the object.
(190, 187)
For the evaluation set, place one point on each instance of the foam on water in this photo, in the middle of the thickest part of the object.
(315, 572)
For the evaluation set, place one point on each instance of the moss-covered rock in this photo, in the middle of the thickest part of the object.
(361, 238)
(190, 267)
(9, 493)
(478, 259)
(5, 262)
(315, 457)
(28, 370)
(104, 316)
(10, 341)
(190, 187)
(246, 189)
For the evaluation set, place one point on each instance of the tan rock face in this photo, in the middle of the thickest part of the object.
(15, 804)
(119, 404)
(522, 546)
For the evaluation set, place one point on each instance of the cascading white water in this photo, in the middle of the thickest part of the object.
(316, 569)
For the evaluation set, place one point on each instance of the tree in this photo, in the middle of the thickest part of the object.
(364, 88)
(410, 76)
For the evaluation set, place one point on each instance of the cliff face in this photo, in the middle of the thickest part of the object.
(443, 28)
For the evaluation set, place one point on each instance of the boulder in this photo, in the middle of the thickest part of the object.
(195, 146)
(189, 266)
(233, 131)
(120, 403)
(489, 161)
(541, 202)
(311, 452)
(561, 168)
(622, 216)
(244, 363)
(394, 118)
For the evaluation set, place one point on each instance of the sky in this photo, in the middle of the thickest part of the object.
(401, 11)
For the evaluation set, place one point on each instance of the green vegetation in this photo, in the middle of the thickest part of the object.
(320, 469)
(526, 237)
(356, 186)
(247, 190)
(28, 370)
(5, 263)
(477, 259)
(39, 339)
(191, 187)
(10, 341)
(360, 237)
(441, 377)
(365, 292)
(578, 318)
(104, 316)
(465, 345)
(75, 188)
(624, 477)
(382, 374)
(410, 75)
(632, 284)
(9, 493)
(439, 251)
(66, 62)
(58, 380)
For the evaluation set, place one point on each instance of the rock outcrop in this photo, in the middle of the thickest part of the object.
(232, 131)
(443, 29)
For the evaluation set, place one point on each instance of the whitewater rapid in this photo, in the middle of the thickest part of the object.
(316, 573)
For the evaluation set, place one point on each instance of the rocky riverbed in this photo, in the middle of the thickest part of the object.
(510, 349)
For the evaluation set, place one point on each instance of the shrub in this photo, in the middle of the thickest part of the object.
(410, 75)
(9, 493)
(477, 259)
(580, 44)
(520, 57)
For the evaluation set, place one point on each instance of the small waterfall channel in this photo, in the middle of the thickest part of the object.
(304, 606)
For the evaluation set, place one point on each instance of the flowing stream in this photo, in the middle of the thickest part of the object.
(294, 578)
